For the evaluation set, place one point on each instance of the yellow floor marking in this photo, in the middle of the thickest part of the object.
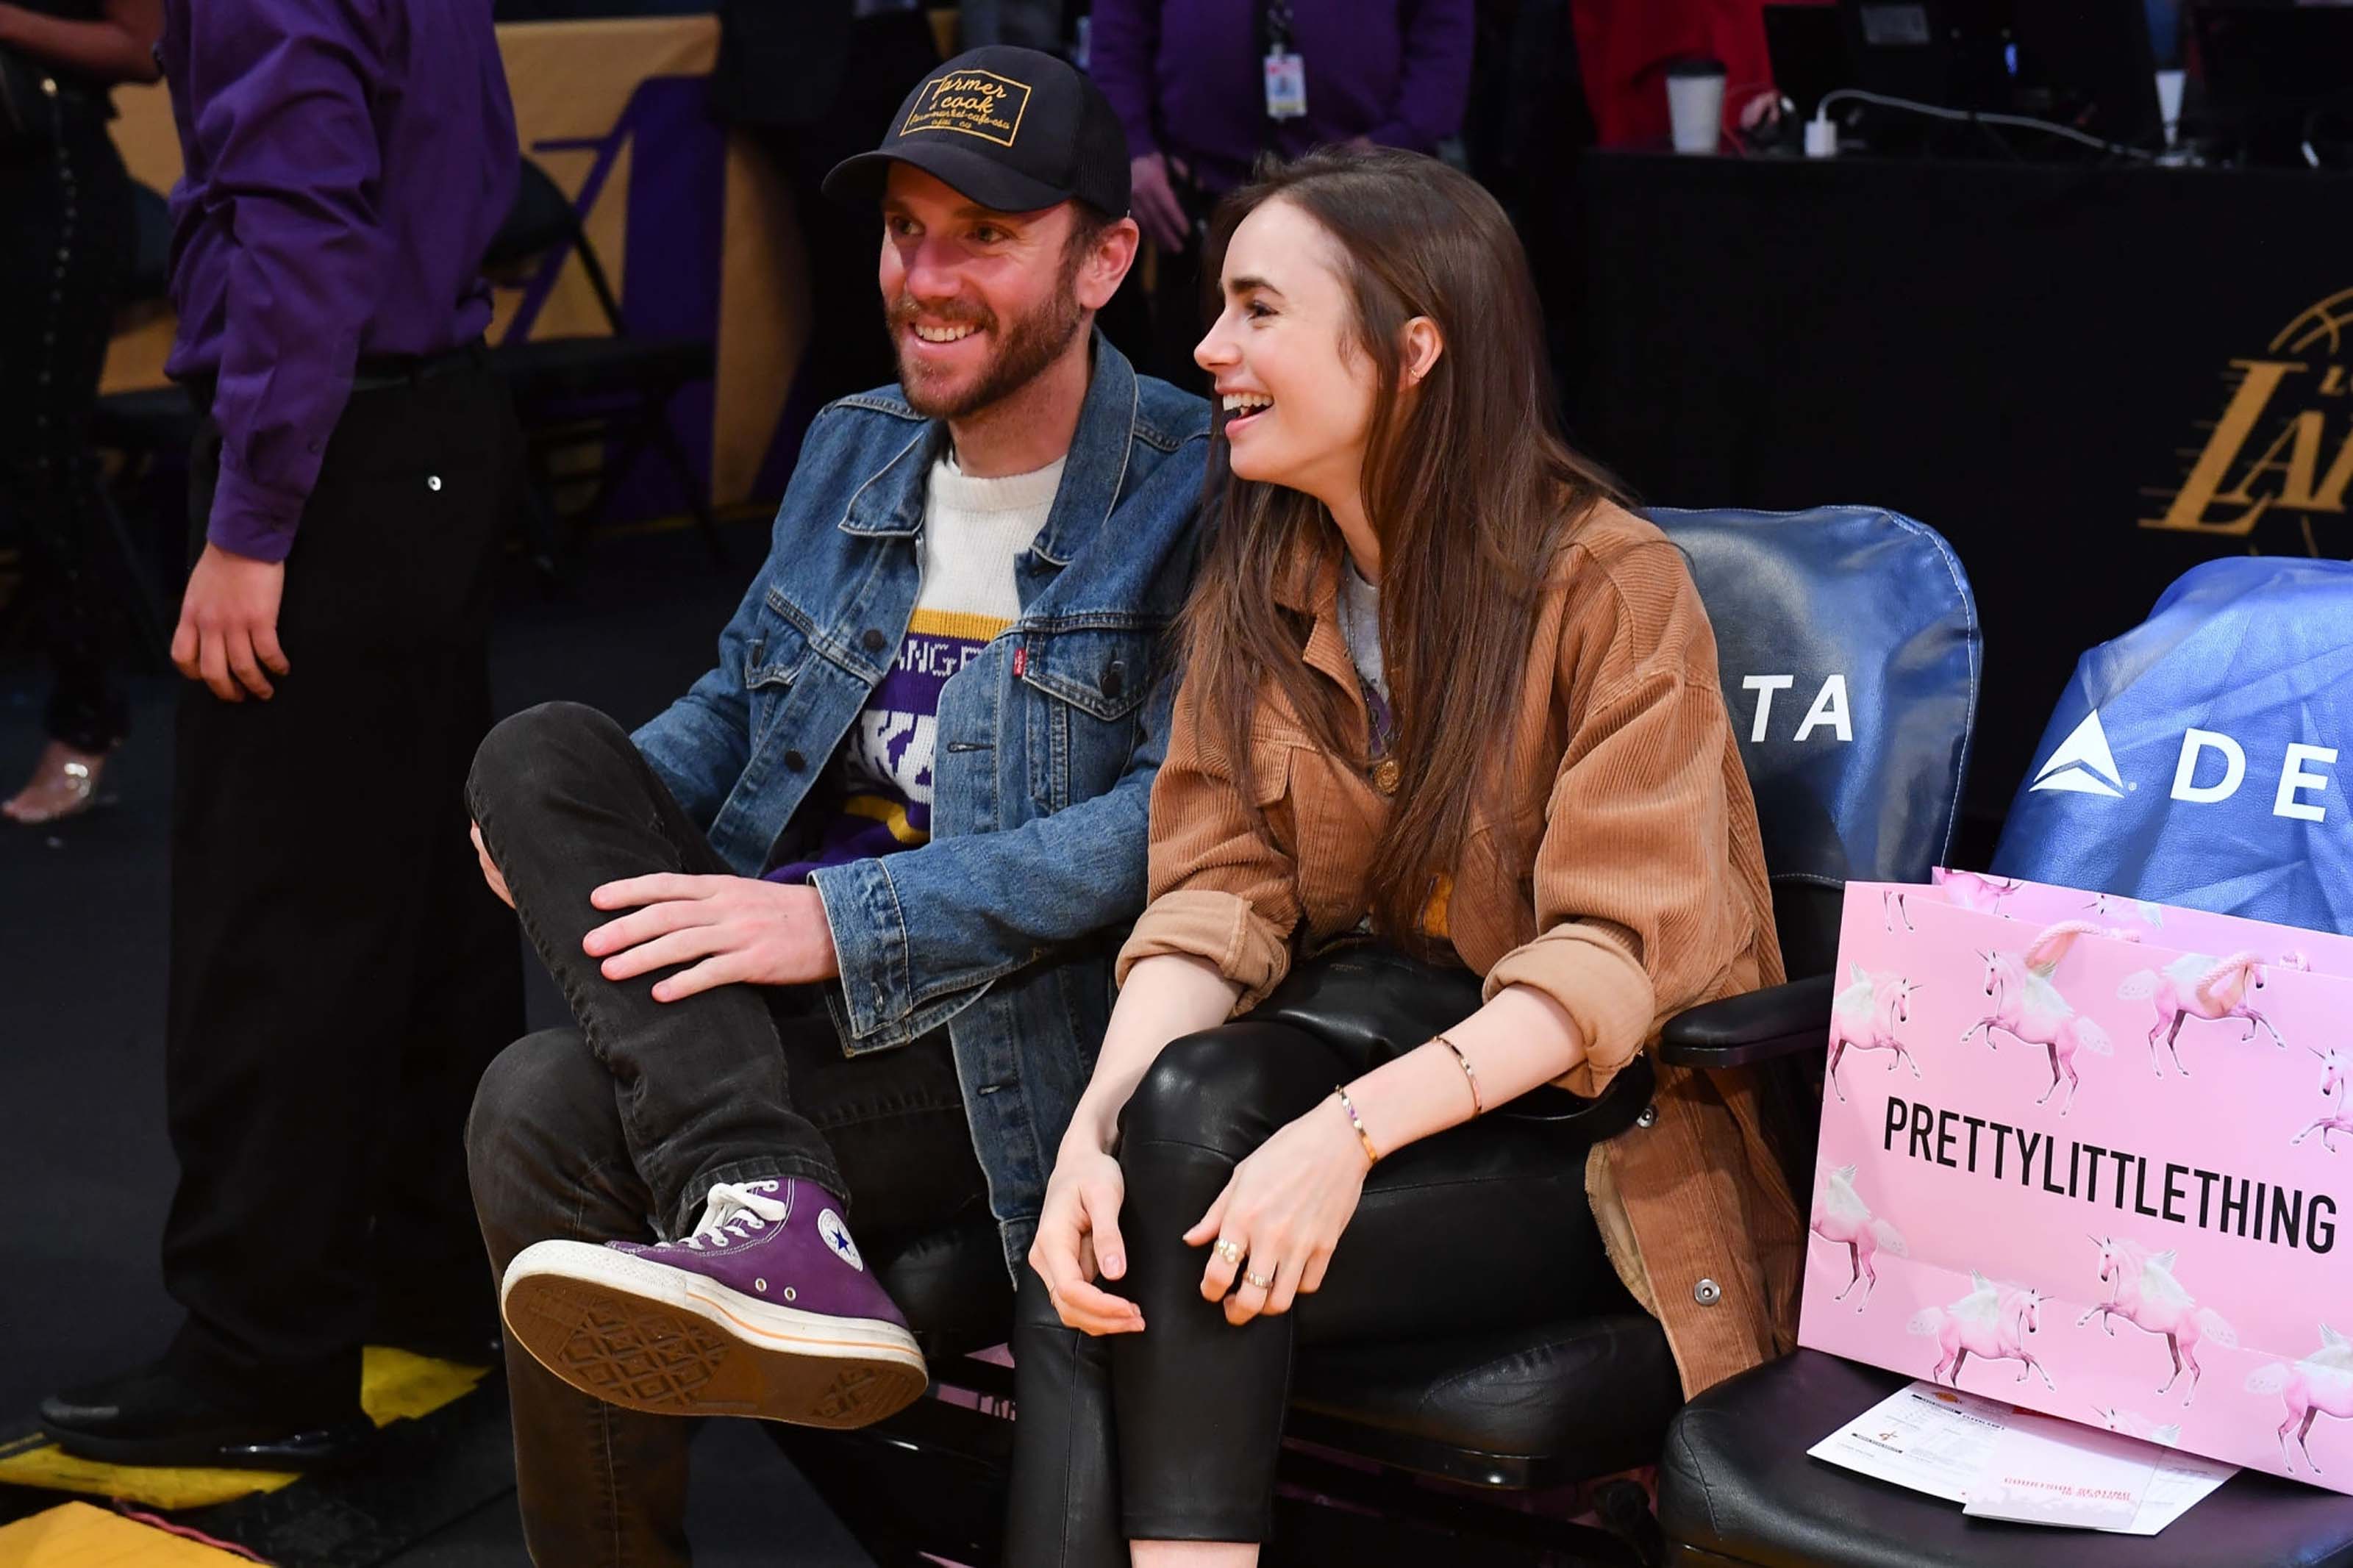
(394, 1385)
(76, 1535)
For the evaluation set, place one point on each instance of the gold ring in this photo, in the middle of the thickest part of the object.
(1231, 1251)
(1263, 1281)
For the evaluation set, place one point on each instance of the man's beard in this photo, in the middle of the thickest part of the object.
(1023, 353)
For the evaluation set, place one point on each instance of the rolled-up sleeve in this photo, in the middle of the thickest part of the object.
(1635, 919)
(1221, 889)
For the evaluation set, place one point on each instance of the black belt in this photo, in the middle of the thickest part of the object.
(372, 373)
(375, 373)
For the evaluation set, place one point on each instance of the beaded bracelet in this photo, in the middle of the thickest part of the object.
(1478, 1101)
(1372, 1156)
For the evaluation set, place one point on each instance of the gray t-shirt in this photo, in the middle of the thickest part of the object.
(1360, 624)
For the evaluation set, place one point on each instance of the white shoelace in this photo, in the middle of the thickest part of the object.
(730, 1211)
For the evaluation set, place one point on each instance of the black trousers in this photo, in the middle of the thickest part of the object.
(340, 976)
(66, 240)
(615, 1130)
(1173, 1434)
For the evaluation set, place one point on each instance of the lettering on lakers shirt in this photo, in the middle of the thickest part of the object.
(972, 531)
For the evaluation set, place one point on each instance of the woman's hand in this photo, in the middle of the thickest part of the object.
(1282, 1214)
(1077, 1235)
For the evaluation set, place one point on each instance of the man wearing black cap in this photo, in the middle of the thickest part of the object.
(836, 926)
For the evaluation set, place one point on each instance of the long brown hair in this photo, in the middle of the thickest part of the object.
(1468, 484)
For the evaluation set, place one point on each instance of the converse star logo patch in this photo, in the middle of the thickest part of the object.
(837, 1239)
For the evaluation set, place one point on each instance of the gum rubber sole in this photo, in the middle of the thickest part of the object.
(665, 1358)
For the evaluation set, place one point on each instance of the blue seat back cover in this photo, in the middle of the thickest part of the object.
(2193, 760)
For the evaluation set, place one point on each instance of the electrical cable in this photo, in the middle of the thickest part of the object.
(1962, 116)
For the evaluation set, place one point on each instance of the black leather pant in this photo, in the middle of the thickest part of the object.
(1173, 1434)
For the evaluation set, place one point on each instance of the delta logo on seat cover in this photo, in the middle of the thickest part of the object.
(2082, 764)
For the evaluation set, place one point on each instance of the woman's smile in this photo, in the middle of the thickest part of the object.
(1243, 409)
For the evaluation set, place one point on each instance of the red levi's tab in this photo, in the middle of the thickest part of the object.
(1021, 660)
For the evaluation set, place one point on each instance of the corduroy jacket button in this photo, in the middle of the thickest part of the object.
(1707, 1292)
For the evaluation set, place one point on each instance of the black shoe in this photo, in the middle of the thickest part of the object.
(156, 1416)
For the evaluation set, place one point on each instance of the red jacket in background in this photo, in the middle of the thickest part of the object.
(1626, 45)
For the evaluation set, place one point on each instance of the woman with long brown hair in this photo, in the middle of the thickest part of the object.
(1451, 818)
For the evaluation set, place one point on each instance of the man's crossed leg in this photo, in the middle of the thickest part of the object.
(663, 1190)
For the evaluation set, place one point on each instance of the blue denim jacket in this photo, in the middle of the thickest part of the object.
(1003, 926)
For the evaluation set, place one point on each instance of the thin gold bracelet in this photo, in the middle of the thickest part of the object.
(1372, 1156)
(1478, 1101)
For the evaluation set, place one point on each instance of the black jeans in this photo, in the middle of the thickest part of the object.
(65, 237)
(1173, 1434)
(340, 976)
(616, 1130)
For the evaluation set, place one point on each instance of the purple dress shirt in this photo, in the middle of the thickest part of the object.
(347, 165)
(1186, 78)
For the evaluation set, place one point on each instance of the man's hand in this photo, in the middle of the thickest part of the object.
(228, 625)
(1154, 201)
(743, 930)
(490, 868)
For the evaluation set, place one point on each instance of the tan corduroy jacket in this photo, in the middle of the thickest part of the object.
(1647, 894)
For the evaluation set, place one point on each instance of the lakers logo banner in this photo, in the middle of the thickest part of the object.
(2284, 440)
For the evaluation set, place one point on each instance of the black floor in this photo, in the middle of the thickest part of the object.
(85, 1171)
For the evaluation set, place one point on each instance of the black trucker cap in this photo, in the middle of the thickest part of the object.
(1015, 130)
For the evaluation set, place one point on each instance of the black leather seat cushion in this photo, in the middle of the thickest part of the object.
(1530, 1407)
(1736, 1481)
(954, 1288)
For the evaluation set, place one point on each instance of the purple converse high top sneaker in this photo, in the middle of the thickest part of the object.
(767, 1310)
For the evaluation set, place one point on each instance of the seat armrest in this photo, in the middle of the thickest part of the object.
(1756, 1026)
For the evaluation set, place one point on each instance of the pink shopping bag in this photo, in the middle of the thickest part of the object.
(2092, 1155)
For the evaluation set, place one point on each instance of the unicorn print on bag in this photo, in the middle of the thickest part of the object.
(2029, 1009)
(2133, 1424)
(1840, 1215)
(2319, 1385)
(2143, 1292)
(2198, 986)
(2335, 1068)
(2108, 905)
(1968, 891)
(1991, 1322)
(1863, 1017)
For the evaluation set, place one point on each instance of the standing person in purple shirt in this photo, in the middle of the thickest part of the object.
(1203, 87)
(339, 976)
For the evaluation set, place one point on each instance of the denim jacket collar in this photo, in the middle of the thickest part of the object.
(890, 503)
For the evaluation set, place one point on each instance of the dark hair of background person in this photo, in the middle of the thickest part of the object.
(1469, 486)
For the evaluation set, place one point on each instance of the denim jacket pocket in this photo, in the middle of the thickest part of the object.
(1093, 682)
(779, 646)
